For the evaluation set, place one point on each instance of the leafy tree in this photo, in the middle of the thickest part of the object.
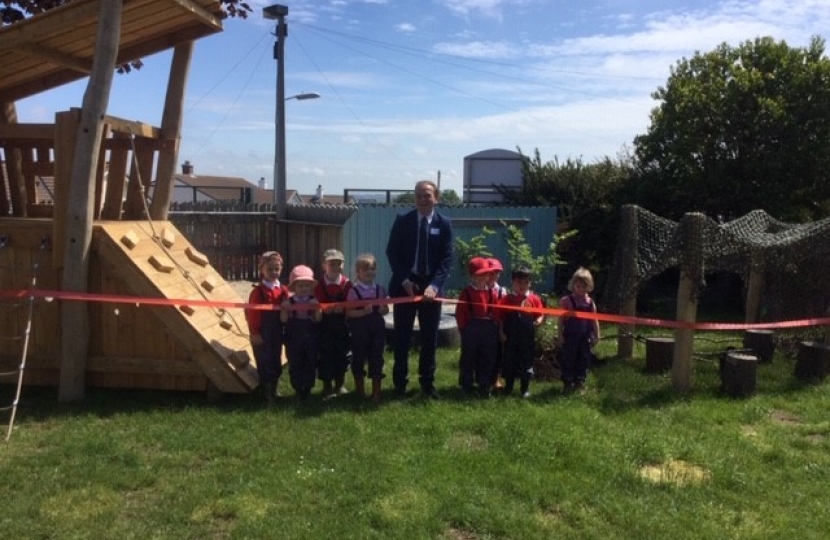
(587, 198)
(448, 198)
(738, 129)
(522, 256)
(475, 247)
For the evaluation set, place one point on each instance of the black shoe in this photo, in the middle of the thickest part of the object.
(400, 392)
(430, 393)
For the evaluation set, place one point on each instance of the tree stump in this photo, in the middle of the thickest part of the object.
(813, 362)
(659, 354)
(761, 343)
(737, 373)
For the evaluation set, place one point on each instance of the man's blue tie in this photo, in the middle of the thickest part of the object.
(422, 247)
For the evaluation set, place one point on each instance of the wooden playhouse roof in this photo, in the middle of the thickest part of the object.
(57, 47)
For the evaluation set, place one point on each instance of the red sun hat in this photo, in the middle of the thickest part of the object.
(495, 265)
(478, 266)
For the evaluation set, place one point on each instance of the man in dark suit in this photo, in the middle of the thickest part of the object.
(420, 252)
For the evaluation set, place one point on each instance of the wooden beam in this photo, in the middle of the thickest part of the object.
(81, 65)
(17, 132)
(204, 15)
(171, 127)
(130, 127)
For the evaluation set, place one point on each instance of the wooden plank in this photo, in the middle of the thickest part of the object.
(116, 180)
(100, 174)
(53, 56)
(65, 132)
(23, 131)
(139, 130)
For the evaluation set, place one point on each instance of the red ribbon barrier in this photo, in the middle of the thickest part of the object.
(556, 312)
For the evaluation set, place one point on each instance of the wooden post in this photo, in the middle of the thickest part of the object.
(761, 342)
(813, 361)
(754, 288)
(74, 315)
(691, 269)
(738, 374)
(116, 180)
(141, 169)
(659, 354)
(66, 132)
(14, 167)
(628, 229)
(171, 130)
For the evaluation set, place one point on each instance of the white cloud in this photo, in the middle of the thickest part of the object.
(406, 28)
(479, 49)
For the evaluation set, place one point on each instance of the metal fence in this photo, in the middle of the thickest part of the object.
(233, 236)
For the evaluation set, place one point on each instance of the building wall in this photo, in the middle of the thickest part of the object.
(484, 171)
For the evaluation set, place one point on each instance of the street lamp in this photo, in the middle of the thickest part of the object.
(301, 97)
(278, 12)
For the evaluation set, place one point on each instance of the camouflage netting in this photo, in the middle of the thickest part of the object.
(793, 258)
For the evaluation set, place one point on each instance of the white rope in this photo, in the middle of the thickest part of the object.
(26, 335)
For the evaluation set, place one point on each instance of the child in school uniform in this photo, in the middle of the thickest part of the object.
(265, 326)
(335, 340)
(300, 314)
(479, 332)
(517, 331)
(500, 291)
(577, 336)
(368, 327)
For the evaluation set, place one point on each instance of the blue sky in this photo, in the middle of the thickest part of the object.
(410, 87)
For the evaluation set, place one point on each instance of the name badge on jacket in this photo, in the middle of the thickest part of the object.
(434, 231)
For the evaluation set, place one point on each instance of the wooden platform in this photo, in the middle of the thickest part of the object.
(156, 260)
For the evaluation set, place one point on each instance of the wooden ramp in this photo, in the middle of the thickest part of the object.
(155, 260)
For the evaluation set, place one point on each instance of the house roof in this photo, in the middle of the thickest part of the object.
(225, 188)
(56, 47)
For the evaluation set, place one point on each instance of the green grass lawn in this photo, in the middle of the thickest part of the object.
(630, 458)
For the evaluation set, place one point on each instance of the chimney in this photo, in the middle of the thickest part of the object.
(319, 193)
(187, 168)
(262, 182)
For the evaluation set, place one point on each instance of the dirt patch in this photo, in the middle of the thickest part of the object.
(459, 534)
(675, 471)
(469, 442)
(785, 417)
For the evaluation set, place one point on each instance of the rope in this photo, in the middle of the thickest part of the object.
(25, 352)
